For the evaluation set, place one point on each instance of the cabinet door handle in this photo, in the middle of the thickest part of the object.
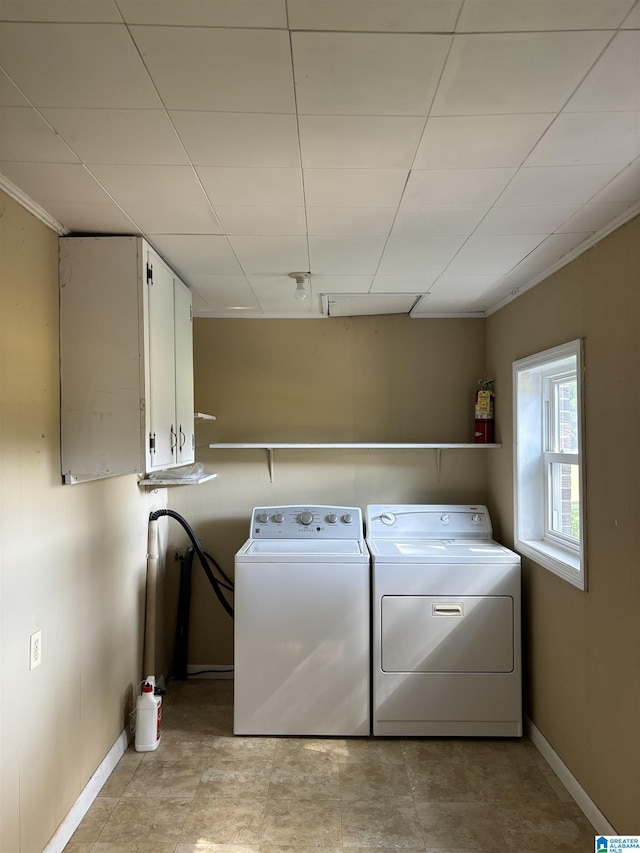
(183, 438)
(174, 439)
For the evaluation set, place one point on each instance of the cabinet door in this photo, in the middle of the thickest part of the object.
(162, 434)
(184, 372)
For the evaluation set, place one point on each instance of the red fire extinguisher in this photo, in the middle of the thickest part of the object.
(484, 432)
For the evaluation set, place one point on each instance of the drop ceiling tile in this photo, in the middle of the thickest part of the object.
(194, 254)
(55, 182)
(250, 69)
(514, 72)
(493, 255)
(224, 292)
(455, 187)
(138, 184)
(614, 82)
(359, 142)
(204, 13)
(168, 217)
(238, 139)
(26, 137)
(93, 218)
(632, 22)
(418, 255)
(593, 216)
(98, 11)
(272, 255)
(542, 185)
(262, 221)
(437, 221)
(402, 283)
(345, 255)
(441, 305)
(455, 293)
(589, 138)
(76, 65)
(238, 187)
(504, 15)
(119, 136)
(353, 187)
(369, 304)
(479, 142)
(340, 284)
(357, 221)
(385, 15)
(366, 74)
(534, 219)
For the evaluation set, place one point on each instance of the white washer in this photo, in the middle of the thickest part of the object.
(446, 623)
(302, 624)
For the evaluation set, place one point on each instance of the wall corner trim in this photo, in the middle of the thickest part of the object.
(78, 810)
(583, 800)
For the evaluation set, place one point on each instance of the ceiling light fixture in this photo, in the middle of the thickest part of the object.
(302, 280)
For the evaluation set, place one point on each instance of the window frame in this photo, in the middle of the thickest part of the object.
(534, 537)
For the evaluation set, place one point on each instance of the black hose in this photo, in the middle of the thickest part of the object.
(182, 618)
(154, 516)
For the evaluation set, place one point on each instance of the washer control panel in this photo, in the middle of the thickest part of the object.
(428, 521)
(304, 521)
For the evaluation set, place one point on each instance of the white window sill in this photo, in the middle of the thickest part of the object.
(561, 561)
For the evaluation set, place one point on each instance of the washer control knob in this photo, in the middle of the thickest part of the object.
(263, 518)
(388, 518)
(278, 518)
(476, 517)
(444, 519)
(347, 518)
(305, 517)
(332, 518)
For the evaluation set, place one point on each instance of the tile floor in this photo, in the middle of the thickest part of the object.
(205, 791)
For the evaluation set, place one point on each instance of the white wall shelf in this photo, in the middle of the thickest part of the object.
(270, 447)
(157, 482)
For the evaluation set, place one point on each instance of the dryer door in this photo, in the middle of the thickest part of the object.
(435, 633)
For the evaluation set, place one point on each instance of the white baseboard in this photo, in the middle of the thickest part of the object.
(78, 810)
(212, 670)
(583, 800)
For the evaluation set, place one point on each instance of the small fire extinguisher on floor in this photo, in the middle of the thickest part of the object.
(484, 432)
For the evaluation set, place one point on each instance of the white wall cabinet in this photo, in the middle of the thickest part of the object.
(126, 360)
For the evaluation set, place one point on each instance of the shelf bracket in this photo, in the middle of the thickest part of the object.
(270, 452)
(438, 463)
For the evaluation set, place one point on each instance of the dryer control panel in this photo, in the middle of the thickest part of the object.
(308, 522)
(428, 521)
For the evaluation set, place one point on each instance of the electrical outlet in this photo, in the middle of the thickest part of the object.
(36, 650)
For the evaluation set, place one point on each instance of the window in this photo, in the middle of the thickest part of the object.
(548, 463)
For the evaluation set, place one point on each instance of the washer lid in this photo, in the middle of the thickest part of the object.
(440, 551)
(333, 550)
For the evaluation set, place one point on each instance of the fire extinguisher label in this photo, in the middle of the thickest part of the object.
(484, 404)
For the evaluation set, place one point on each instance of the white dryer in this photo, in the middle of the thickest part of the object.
(446, 623)
(302, 624)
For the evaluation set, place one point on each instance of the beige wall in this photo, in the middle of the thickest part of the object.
(72, 564)
(583, 648)
(379, 379)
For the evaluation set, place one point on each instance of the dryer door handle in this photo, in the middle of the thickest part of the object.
(453, 609)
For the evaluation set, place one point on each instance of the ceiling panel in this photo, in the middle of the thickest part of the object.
(360, 142)
(515, 72)
(209, 69)
(76, 65)
(382, 16)
(238, 139)
(204, 13)
(347, 304)
(367, 74)
(119, 137)
(407, 159)
(480, 16)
